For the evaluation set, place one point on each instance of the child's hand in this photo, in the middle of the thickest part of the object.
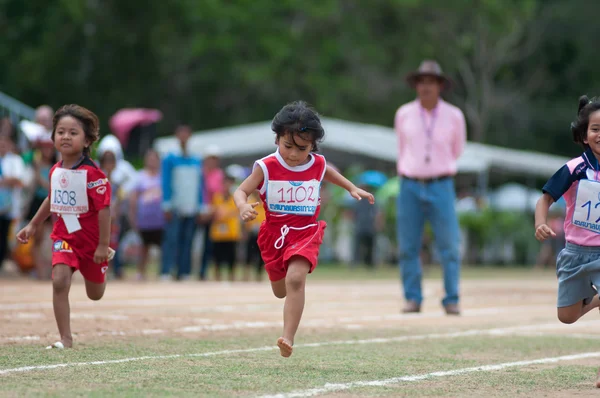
(26, 233)
(543, 232)
(247, 212)
(358, 194)
(101, 254)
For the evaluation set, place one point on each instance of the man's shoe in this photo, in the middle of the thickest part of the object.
(452, 309)
(411, 307)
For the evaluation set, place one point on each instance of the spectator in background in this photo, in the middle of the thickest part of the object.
(182, 184)
(213, 183)
(6, 127)
(253, 257)
(12, 170)
(108, 164)
(368, 220)
(45, 156)
(431, 137)
(551, 247)
(225, 229)
(145, 213)
(122, 178)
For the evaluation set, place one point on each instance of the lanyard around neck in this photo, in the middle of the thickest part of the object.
(428, 131)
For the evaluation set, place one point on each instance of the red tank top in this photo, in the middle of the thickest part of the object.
(290, 195)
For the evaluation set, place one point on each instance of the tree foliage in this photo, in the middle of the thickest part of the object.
(518, 65)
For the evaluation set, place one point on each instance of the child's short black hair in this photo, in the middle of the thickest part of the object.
(88, 120)
(579, 127)
(298, 118)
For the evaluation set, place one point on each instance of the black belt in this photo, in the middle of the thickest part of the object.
(427, 180)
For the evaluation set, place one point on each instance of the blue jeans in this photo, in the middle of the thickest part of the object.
(177, 245)
(433, 201)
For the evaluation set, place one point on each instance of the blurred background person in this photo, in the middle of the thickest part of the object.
(225, 229)
(182, 202)
(12, 170)
(108, 164)
(213, 183)
(431, 135)
(45, 156)
(253, 258)
(145, 213)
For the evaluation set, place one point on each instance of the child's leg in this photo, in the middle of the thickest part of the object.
(94, 291)
(279, 288)
(61, 284)
(295, 282)
(573, 312)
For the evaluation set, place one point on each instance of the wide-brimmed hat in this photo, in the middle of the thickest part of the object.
(429, 68)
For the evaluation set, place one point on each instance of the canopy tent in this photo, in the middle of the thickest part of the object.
(374, 146)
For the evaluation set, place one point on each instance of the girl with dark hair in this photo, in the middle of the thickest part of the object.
(578, 181)
(289, 181)
(80, 196)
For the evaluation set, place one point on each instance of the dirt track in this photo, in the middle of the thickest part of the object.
(194, 308)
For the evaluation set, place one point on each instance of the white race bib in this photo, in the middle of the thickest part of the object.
(293, 197)
(587, 206)
(69, 191)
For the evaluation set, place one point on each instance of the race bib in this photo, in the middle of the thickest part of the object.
(587, 206)
(69, 194)
(293, 197)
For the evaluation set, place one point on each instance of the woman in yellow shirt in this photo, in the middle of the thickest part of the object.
(253, 258)
(225, 230)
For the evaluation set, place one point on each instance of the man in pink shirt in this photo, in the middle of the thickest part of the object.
(431, 137)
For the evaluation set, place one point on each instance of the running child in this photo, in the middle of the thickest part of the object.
(578, 181)
(80, 196)
(289, 181)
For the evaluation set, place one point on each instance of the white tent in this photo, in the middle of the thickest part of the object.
(349, 142)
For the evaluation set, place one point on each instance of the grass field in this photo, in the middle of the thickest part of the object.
(218, 340)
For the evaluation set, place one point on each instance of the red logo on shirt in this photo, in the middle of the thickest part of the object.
(64, 180)
(101, 190)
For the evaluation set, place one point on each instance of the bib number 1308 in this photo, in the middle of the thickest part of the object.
(63, 197)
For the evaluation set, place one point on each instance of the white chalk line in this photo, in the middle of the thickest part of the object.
(432, 336)
(343, 323)
(332, 387)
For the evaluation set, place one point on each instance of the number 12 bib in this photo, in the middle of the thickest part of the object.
(293, 197)
(587, 206)
(69, 194)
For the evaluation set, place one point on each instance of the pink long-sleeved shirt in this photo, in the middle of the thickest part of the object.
(438, 136)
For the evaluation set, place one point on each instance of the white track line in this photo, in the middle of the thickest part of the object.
(467, 333)
(345, 322)
(330, 387)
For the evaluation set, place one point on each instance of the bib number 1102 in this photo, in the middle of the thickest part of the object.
(297, 194)
(62, 197)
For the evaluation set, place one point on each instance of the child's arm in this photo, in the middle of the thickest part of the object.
(336, 178)
(240, 196)
(42, 214)
(542, 230)
(101, 253)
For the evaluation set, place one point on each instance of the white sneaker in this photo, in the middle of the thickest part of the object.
(165, 278)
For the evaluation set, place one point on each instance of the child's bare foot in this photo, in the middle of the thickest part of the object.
(285, 347)
(598, 379)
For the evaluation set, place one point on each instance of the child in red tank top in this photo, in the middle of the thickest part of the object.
(289, 181)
